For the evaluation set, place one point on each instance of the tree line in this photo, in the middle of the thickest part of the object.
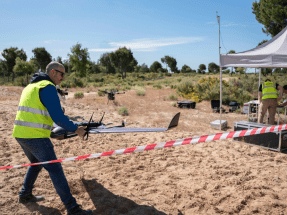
(120, 61)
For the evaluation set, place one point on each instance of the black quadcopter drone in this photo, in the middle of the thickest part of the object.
(62, 93)
(111, 94)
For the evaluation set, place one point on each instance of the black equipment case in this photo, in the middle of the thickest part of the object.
(186, 104)
(276, 140)
(215, 105)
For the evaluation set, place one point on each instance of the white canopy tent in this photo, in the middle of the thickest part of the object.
(272, 54)
(269, 55)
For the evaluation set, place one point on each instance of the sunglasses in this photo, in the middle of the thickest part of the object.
(62, 74)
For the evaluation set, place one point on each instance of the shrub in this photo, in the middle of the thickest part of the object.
(99, 80)
(140, 83)
(20, 82)
(185, 88)
(172, 97)
(111, 88)
(100, 84)
(173, 86)
(157, 86)
(174, 104)
(140, 93)
(125, 87)
(77, 82)
(66, 84)
(101, 93)
(123, 111)
(193, 96)
(79, 95)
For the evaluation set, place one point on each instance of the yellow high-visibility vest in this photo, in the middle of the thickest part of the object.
(33, 119)
(269, 90)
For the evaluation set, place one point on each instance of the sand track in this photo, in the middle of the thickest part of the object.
(221, 177)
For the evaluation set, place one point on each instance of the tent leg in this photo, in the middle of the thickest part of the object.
(220, 96)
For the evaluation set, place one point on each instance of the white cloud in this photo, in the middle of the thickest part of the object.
(232, 24)
(148, 44)
(50, 41)
(62, 41)
(225, 24)
(103, 50)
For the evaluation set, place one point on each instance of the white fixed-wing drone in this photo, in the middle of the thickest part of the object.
(99, 127)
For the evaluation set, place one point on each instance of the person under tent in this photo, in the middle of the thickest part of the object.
(268, 100)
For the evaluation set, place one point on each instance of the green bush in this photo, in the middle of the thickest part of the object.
(185, 88)
(173, 86)
(101, 93)
(125, 87)
(66, 84)
(79, 95)
(111, 88)
(123, 111)
(140, 83)
(157, 86)
(172, 97)
(174, 104)
(77, 82)
(99, 84)
(98, 80)
(140, 93)
(22, 82)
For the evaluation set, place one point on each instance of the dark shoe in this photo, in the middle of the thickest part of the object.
(30, 198)
(78, 211)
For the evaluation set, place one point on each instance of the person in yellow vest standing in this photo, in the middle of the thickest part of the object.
(39, 107)
(268, 100)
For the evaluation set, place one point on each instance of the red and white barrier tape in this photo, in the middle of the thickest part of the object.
(190, 140)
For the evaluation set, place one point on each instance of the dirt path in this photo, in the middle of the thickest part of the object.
(220, 177)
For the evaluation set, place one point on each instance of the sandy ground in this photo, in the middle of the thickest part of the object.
(220, 177)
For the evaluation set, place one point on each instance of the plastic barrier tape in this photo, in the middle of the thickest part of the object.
(190, 140)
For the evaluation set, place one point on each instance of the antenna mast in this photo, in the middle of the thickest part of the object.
(218, 20)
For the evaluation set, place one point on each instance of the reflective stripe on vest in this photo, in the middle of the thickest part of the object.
(269, 91)
(33, 110)
(32, 125)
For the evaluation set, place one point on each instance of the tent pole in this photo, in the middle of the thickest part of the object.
(259, 81)
(257, 109)
(220, 95)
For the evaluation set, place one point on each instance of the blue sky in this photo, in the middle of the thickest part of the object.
(185, 30)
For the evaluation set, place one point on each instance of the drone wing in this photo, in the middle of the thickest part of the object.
(173, 123)
(61, 133)
(125, 130)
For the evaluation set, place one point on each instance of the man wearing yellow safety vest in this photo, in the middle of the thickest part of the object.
(39, 107)
(268, 100)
